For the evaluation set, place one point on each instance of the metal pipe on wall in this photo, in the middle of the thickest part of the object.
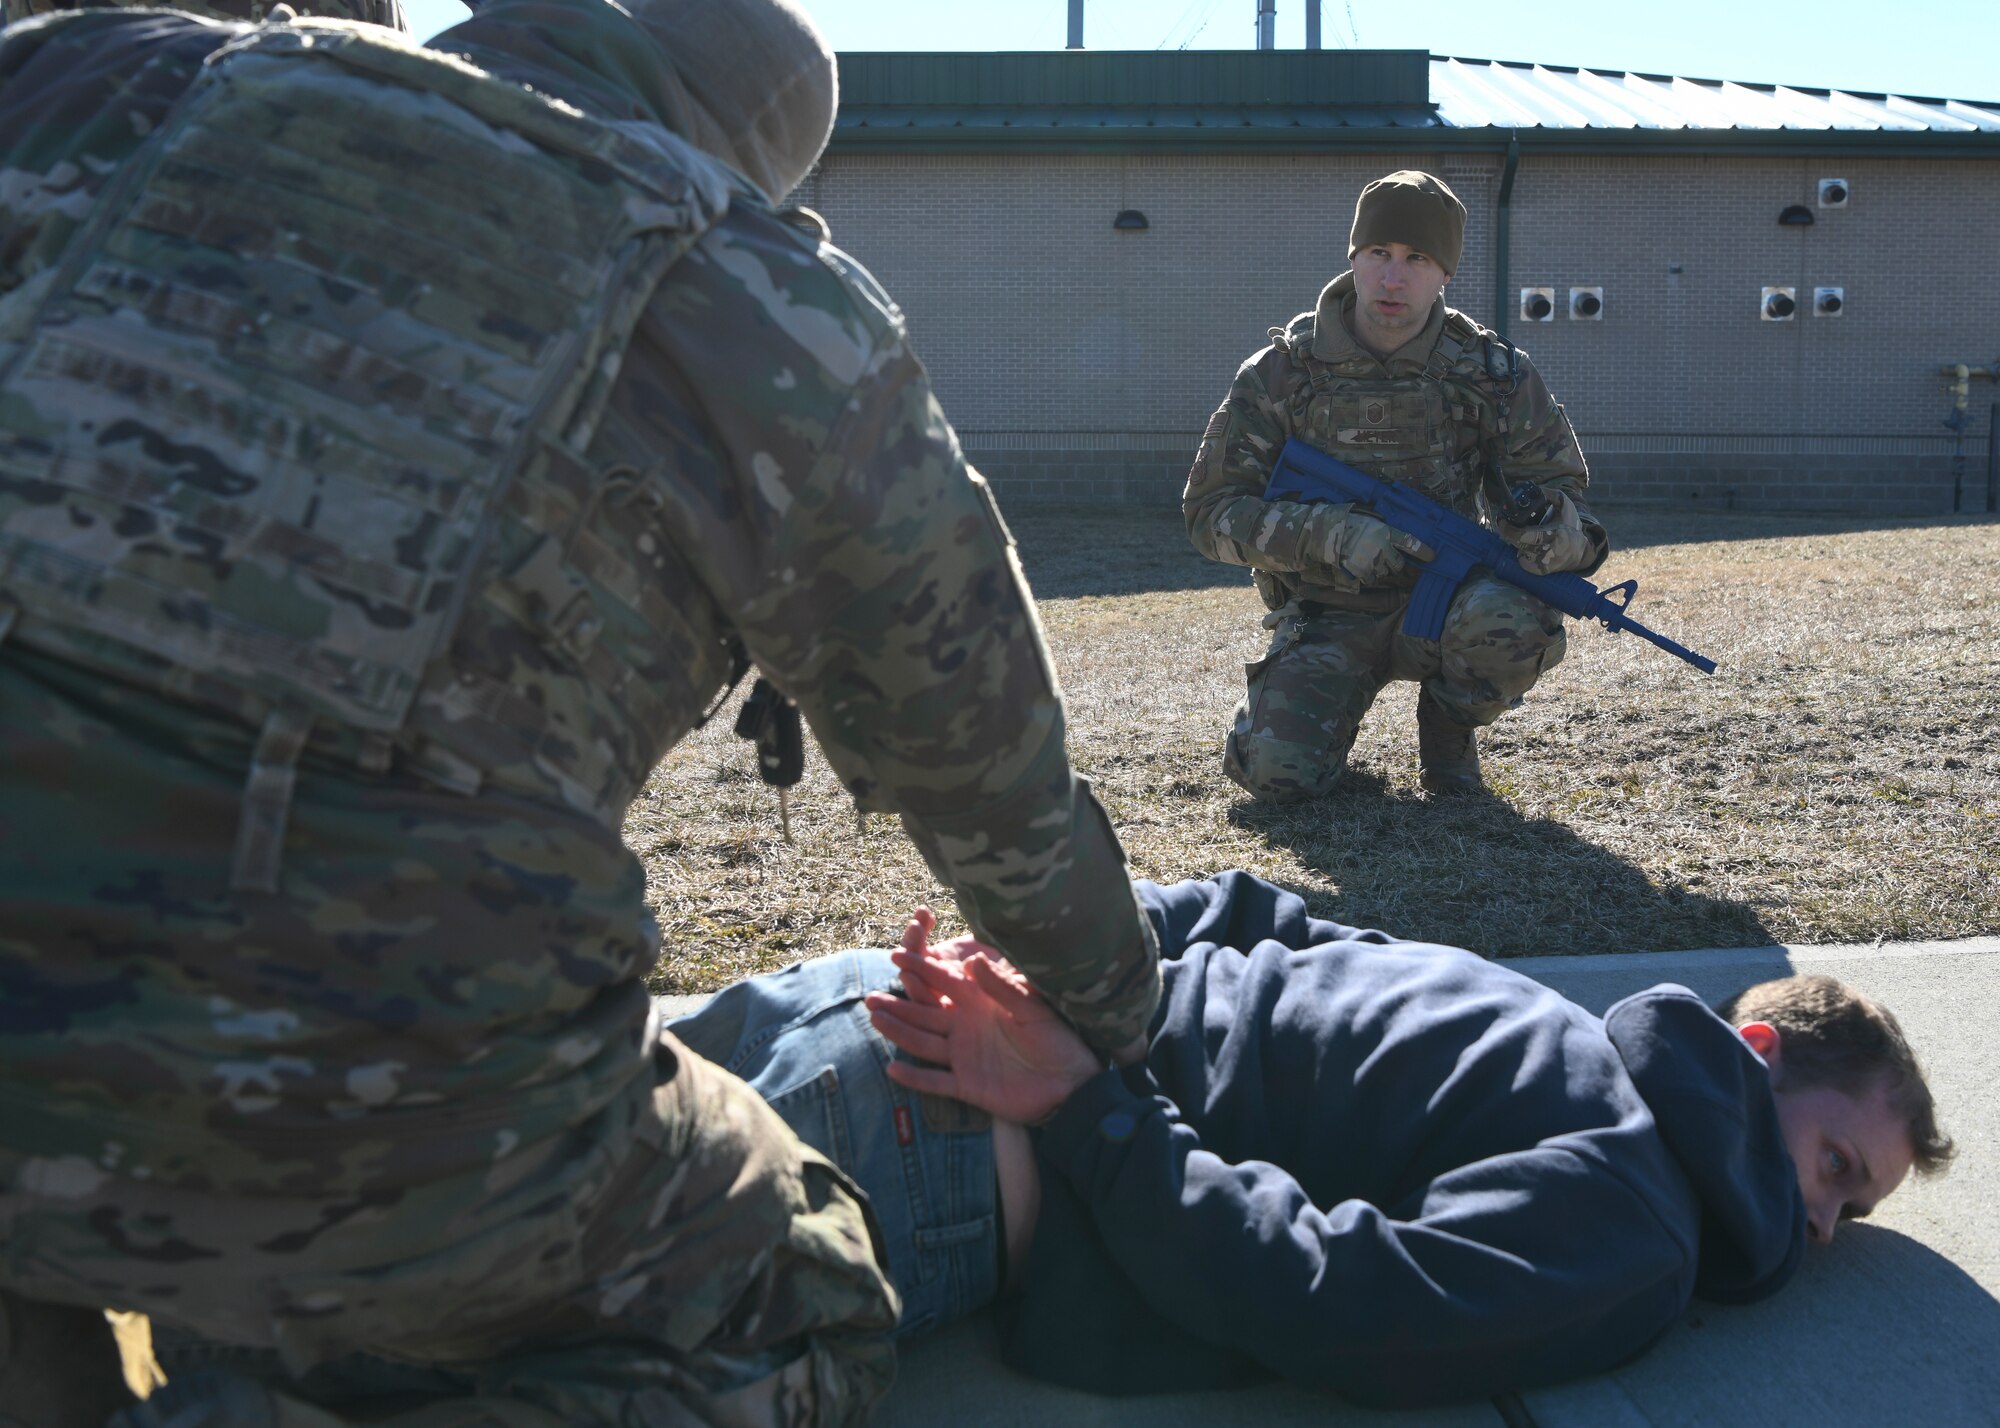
(1503, 235)
(1076, 24)
(1267, 24)
(1962, 375)
(1312, 24)
(1993, 458)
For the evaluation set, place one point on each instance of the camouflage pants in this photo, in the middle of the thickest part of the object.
(203, 1113)
(601, 1345)
(1308, 694)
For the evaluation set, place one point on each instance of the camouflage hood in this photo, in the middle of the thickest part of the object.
(750, 81)
(388, 13)
(1333, 326)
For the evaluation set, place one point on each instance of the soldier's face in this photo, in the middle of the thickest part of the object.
(1395, 287)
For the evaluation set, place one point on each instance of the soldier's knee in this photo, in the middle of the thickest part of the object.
(1281, 771)
(1501, 637)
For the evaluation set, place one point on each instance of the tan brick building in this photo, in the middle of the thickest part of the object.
(1080, 359)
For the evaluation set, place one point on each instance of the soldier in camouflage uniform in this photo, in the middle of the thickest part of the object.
(1385, 376)
(394, 442)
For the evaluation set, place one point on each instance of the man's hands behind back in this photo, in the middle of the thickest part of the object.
(990, 1039)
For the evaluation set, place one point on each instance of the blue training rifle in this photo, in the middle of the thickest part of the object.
(1305, 473)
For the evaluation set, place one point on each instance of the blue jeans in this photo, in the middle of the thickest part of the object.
(801, 1038)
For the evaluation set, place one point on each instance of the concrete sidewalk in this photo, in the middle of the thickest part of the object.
(1897, 1322)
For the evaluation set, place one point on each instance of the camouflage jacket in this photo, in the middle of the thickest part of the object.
(1428, 415)
(770, 465)
(455, 969)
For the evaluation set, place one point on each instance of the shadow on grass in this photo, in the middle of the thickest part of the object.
(1469, 871)
(1073, 551)
(1639, 527)
(1070, 552)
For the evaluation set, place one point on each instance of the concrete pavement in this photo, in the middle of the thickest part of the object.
(1897, 1322)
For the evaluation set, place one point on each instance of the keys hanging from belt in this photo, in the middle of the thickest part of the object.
(771, 721)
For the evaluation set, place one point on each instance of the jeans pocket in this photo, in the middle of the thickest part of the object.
(817, 1114)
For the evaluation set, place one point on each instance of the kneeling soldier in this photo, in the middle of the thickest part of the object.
(1385, 376)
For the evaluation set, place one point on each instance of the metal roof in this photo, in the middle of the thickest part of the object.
(1350, 99)
(1475, 94)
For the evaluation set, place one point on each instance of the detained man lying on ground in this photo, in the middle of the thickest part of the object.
(1388, 1169)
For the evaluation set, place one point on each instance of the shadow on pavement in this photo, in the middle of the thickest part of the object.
(956, 1379)
(1877, 1329)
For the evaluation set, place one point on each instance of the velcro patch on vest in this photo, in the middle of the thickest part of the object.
(1368, 436)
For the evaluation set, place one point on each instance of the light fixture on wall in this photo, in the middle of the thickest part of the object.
(1586, 304)
(1797, 216)
(1833, 193)
(1780, 304)
(1538, 304)
(1130, 220)
(1829, 302)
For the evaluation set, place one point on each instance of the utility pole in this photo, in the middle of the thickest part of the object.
(1312, 24)
(1267, 24)
(1076, 24)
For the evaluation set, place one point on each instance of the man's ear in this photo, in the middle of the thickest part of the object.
(1763, 1038)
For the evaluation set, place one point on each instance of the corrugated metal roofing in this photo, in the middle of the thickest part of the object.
(1332, 98)
(1121, 79)
(1478, 94)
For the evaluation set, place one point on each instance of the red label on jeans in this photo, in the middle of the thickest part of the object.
(906, 1129)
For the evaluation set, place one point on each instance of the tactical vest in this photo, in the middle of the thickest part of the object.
(349, 306)
(1423, 431)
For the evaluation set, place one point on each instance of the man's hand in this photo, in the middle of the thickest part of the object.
(1370, 550)
(994, 1043)
(1559, 543)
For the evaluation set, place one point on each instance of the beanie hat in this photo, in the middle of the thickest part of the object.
(1412, 208)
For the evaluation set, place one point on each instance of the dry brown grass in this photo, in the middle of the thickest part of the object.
(1838, 779)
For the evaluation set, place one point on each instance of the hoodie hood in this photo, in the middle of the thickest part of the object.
(1712, 1101)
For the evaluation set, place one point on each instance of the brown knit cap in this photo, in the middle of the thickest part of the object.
(1413, 208)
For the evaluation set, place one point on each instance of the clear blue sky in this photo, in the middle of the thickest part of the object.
(1951, 50)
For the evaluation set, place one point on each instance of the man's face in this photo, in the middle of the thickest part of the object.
(1850, 1152)
(1395, 287)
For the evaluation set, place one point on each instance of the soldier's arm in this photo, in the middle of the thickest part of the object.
(1542, 447)
(1227, 517)
(865, 566)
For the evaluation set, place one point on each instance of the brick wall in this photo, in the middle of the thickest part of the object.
(1079, 362)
